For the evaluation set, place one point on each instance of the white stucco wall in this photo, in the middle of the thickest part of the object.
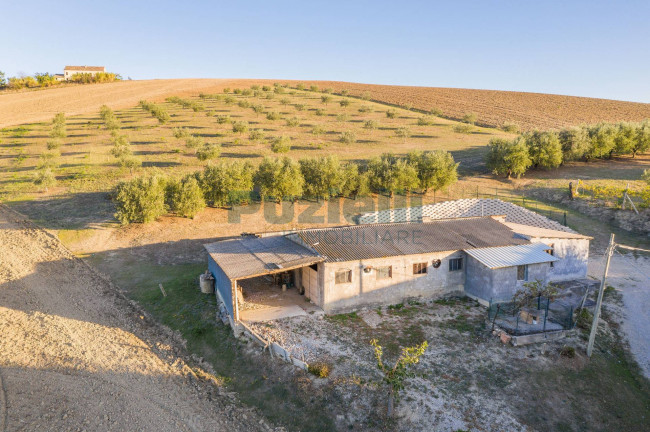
(573, 255)
(366, 290)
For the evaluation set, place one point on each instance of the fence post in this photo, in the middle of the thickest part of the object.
(548, 301)
(564, 219)
(490, 308)
(539, 301)
(496, 193)
(477, 191)
(495, 315)
(570, 318)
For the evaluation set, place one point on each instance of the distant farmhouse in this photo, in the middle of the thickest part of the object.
(485, 249)
(69, 71)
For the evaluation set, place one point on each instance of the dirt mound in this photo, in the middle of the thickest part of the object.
(76, 354)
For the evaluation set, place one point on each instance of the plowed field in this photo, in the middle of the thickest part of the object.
(528, 110)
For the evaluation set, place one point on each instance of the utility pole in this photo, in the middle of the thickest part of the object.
(599, 303)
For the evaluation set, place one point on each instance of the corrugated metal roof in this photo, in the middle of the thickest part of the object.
(254, 256)
(509, 256)
(536, 232)
(383, 240)
(463, 208)
(86, 68)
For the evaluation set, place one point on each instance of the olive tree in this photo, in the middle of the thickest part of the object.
(391, 174)
(601, 140)
(436, 169)
(227, 183)
(641, 139)
(508, 158)
(279, 178)
(574, 142)
(354, 183)
(544, 149)
(141, 199)
(186, 197)
(322, 176)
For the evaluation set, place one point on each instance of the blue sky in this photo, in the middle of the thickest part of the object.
(585, 48)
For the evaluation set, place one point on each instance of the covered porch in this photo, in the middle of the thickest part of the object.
(259, 278)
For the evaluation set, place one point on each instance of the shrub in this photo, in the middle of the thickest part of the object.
(371, 124)
(313, 88)
(255, 87)
(344, 92)
(584, 319)
(266, 88)
(344, 103)
(121, 146)
(279, 178)
(365, 109)
(403, 132)
(226, 90)
(470, 118)
(272, 115)
(270, 96)
(278, 90)
(463, 128)
(391, 113)
(510, 127)
(319, 112)
(299, 107)
(237, 91)
(180, 132)
(317, 130)
(186, 197)
(156, 111)
(425, 121)
(568, 351)
(437, 112)
(300, 86)
(141, 199)
(129, 161)
(348, 137)
(240, 127)
(343, 117)
(284, 101)
(193, 141)
(45, 178)
(281, 144)
(222, 119)
(49, 160)
(246, 92)
(328, 90)
(208, 151)
(53, 143)
(244, 104)
(365, 95)
(319, 369)
(258, 108)
(293, 122)
(256, 134)
(326, 99)
(506, 157)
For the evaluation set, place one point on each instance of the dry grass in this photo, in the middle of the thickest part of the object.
(86, 164)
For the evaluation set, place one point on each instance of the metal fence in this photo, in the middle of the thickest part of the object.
(540, 315)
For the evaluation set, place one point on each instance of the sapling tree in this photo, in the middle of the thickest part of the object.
(326, 99)
(344, 103)
(395, 377)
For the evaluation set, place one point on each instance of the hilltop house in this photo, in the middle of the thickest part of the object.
(486, 257)
(69, 71)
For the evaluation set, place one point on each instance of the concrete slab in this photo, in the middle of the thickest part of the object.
(271, 313)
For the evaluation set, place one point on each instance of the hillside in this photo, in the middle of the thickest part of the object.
(528, 110)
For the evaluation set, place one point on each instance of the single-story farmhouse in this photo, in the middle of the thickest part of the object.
(346, 268)
(70, 71)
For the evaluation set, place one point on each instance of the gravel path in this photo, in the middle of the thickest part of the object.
(76, 355)
(629, 275)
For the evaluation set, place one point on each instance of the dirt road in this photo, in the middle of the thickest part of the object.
(631, 275)
(76, 355)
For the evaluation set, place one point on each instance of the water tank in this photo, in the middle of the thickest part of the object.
(206, 282)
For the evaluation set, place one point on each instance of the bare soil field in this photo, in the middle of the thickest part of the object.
(77, 355)
(493, 107)
(528, 110)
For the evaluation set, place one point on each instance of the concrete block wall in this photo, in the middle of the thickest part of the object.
(573, 255)
(366, 290)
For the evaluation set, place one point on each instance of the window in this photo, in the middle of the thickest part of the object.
(343, 276)
(384, 272)
(522, 273)
(420, 268)
(455, 264)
